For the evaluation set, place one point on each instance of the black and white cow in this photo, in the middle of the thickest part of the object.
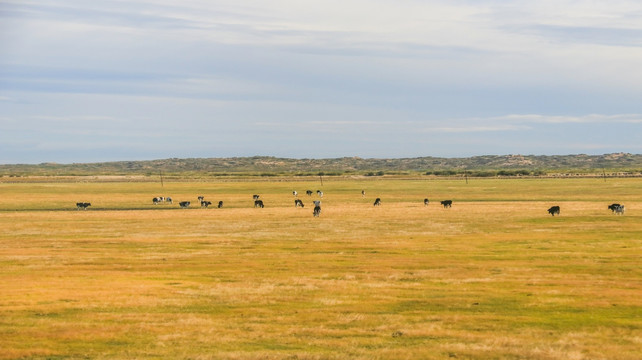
(160, 199)
(619, 210)
(82, 205)
(255, 197)
(220, 204)
(317, 203)
(201, 198)
(308, 192)
(258, 203)
(320, 193)
(554, 210)
(205, 203)
(363, 193)
(295, 193)
(377, 202)
(317, 211)
(447, 203)
(426, 201)
(612, 207)
(298, 203)
(184, 204)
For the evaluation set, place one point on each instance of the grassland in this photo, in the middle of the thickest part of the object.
(493, 277)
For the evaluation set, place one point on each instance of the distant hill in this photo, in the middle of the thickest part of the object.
(487, 165)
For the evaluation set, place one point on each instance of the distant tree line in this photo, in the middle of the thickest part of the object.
(487, 173)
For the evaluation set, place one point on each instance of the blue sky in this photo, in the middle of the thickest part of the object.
(85, 81)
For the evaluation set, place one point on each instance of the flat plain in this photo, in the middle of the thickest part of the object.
(493, 277)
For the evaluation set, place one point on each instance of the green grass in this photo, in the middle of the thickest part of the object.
(495, 276)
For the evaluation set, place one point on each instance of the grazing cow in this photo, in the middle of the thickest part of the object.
(184, 204)
(220, 204)
(205, 203)
(255, 197)
(201, 198)
(258, 203)
(426, 201)
(612, 207)
(298, 203)
(554, 210)
(320, 193)
(363, 193)
(308, 192)
(317, 211)
(295, 193)
(377, 202)
(447, 203)
(619, 210)
(156, 200)
(168, 199)
(82, 205)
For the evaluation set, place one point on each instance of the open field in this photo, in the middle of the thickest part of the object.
(494, 276)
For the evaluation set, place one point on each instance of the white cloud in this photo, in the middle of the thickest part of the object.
(558, 119)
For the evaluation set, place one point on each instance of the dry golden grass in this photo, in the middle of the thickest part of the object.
(495, 276)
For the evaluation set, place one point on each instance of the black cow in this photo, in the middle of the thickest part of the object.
(82, 205)
(298, 203)
(377, 202)
(220, 204)
(612, 207)
(205, 203)
(317, 211)
(258, 203)
(447, 203)
(184, 204)
(308, 192)
(554, 210)
(426, 201)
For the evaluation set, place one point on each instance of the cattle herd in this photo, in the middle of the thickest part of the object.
(615, 208)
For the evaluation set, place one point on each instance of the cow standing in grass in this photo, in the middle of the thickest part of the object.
(317, 211)
(614, 206)
(426, 201)
(619, 210)
(447, 203)
(377, 202)
(82, 205)
(554, 210)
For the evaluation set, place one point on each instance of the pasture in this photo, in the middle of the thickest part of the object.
(495, 276)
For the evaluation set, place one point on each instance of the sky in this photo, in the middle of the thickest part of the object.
(109, 80)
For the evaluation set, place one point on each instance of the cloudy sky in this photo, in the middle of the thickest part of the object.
(102, 80)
